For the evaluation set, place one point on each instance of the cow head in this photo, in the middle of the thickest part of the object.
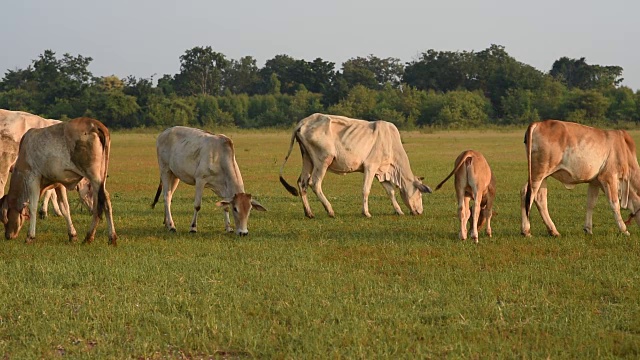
(12, 216)
(411, 195)
(241, 206)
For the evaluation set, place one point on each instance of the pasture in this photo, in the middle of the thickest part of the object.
(349, 287)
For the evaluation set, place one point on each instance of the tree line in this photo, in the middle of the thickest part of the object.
(448, 89)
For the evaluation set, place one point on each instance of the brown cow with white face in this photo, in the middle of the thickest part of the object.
(575, 154)
(60, 154)
(205, 160)
(343, 145)
(474, 180)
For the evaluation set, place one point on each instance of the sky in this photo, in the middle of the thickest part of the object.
(145, 38)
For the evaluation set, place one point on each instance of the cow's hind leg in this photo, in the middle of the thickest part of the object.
(464, 213)
(303, 184)
(592, 197)
(319, 171)
(391, 191)
(169, 185)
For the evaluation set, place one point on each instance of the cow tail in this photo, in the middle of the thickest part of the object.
(155, 200)
(284, 183)
(105, 139)
(456, 167)
(528, 144)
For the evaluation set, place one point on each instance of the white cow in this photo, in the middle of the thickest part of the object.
(13, 125)
(474, 180)
(575, 154)
(343, 145)
(205, 160)
(61, 154)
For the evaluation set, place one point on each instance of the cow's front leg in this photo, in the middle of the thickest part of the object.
(391, 191)
(611, 189)
(366, 189)
(592, 197)
(34, 196)
(227, 222)
(197, 202)
(63, 205)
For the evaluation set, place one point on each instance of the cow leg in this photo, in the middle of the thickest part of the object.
(49, 195)
(34, 196)
(366, 189)
(525, 227)
(63, 204)
(487, 213)
(476, 216)
(319, 171)
(197, 202)
(541, 204)
(108, 211)
(463, 215)
(303, 184)
(611, 189)
(169, 185)
(592, 196)
(391, 191)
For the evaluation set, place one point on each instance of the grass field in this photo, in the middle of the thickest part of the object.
(349, 287)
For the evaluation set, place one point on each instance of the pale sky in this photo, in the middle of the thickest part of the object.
(146, 38)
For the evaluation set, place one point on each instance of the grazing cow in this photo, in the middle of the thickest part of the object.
(13, 125)
(575, 154)
(343, 145)
(60, 154)
(206, 161)
(473, 180)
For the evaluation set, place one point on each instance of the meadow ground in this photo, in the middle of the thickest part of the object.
(349, 287)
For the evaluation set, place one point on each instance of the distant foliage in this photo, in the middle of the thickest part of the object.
(445, 89)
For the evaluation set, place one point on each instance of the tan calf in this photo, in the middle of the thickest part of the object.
(473, 180)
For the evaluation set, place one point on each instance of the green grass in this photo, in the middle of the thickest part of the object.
(350, 287)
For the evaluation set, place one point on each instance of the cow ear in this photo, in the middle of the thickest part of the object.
(223, 203)
(422, 187)
(256, 205)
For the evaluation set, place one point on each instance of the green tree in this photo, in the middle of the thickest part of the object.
(576, 73)
(242, 76)
(201, 72)
(373, 72)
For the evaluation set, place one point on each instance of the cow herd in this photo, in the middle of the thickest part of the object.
(47, 157)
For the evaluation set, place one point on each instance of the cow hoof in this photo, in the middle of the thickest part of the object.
(587, 231)
(525, 234)
(172, 230)
(193, 231)
(30, 240)
(113, 240)
(88, 240)
(626, 233)
(42, 215)
(554, 233)
(73, 237)
(310, 216)
(365, 215)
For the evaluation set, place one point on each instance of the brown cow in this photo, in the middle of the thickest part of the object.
(13, 125)
(473, 180)
(575, 154)
(343, 145)
(60, 154)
